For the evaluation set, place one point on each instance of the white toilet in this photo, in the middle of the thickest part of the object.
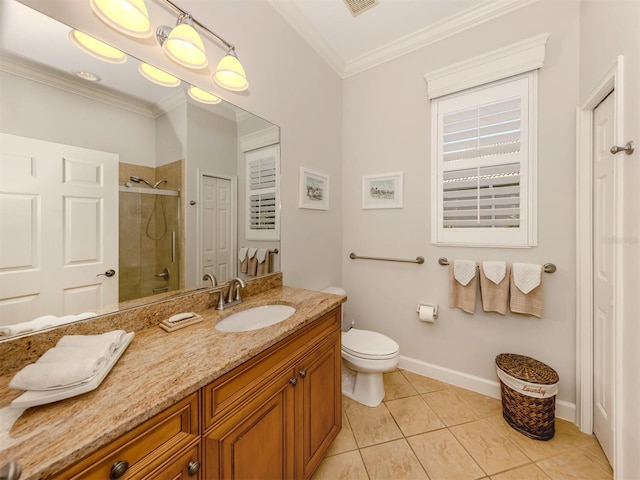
(365, 356)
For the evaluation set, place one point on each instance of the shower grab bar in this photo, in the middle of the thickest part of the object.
(418, 260)
(547, 267)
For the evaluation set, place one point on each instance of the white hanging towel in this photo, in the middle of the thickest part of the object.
(261, 254)
(526, 276)
(242, 254)
(495, 271)
(464, 270)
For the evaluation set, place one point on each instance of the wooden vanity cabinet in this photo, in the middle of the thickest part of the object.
(287, 413)
(165, 442)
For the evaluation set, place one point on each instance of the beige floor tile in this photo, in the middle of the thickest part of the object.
(567, 437)
(345, 441)
(348, 404)
(483, 405)
(595, 451)
(578, 464)
(413, 415)
(528, 472)
(372, 425)
(392, 460)
(346, 466)
(424, 384)
(443, 457)
(397, 386)
(450, 406)
(493, 451)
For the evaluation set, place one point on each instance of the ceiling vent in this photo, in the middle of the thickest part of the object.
(356, 7)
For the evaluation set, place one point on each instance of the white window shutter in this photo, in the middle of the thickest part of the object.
(484, 153)
(263, 203)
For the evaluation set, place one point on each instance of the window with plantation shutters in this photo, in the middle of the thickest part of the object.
(263, 212)
(484, 165)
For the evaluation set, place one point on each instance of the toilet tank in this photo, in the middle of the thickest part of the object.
(340, 291)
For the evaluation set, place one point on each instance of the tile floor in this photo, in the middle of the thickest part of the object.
(426, 429)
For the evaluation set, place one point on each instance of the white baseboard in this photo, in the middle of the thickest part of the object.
(564, 410)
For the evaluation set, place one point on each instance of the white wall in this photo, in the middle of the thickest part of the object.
(609, 29)
(386, 129)
(31, 109)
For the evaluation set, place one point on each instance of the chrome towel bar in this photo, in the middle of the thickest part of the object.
(418, 260)
(547, 267)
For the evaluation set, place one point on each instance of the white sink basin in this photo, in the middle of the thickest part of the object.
(254, 318)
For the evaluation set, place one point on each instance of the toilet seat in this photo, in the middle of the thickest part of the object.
(369, 345)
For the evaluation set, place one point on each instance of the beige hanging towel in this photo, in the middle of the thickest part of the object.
(243, 259)
(463, 284)
(494, 286)
(264, 261)
(252, 268)
(527, 294)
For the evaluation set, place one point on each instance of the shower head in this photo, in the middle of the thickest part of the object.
(133, 178)
(159, 182)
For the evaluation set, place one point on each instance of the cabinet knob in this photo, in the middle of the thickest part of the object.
(293, 381)
(302, 373)
(119, 468)
(193, 468)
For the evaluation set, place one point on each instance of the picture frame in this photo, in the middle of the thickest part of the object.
(314, 190)
(382, 191)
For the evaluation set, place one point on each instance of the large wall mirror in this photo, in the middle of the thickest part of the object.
(116, 191)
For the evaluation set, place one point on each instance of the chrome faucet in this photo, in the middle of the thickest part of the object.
(235, 284)
(209, 276)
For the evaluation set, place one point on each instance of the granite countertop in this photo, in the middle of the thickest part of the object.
(157, 370)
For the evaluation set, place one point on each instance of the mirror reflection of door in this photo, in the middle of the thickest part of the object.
(217, 211)
(58, 229)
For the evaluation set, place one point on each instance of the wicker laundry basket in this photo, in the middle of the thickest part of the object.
(528, 389)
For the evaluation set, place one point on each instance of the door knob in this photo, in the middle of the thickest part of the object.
(628, 148)
(302, 373)
(293, 381)
(193, 468)
(109, 273)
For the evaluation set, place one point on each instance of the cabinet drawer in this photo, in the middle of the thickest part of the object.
(187, 464)
(223, 394)
(145, 447)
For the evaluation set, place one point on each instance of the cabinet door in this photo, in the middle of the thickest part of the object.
(256, 440)
(319, 413)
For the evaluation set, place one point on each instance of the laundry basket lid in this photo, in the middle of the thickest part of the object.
(526, 368)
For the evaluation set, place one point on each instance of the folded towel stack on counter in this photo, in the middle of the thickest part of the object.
(40, 323)
(75, 359)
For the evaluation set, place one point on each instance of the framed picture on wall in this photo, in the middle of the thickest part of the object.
(314, 190)
(382, 191)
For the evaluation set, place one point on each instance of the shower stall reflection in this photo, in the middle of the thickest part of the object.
(149, 228)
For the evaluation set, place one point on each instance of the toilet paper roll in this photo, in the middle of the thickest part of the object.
(427, 313)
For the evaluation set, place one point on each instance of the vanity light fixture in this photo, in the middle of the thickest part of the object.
(203, 97)
(230, 74)
(158, 76)
(183, 45)
(96, 48)
(126, 16)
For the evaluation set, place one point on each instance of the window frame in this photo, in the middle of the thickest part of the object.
(257, 155)
(526, 234)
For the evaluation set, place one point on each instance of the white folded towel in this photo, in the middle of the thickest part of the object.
(252, 251)
(464, 270)
(112, 340)
(261, 254)
(526, 276)
(242, 254)
(43, 322)
(494, 271)
(48, 376)
(74, 359)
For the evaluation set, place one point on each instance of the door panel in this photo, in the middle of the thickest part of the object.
(216, 221)
(604, 244)
(58, 228)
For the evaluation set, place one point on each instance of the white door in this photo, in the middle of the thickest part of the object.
(58, 229)
(217, 207)
(604, 245)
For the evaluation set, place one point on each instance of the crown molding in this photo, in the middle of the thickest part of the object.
(62, 81)
(484, 12)
(308, 32)
(259, 139)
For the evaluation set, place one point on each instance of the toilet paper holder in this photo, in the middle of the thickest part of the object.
(434, 309)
